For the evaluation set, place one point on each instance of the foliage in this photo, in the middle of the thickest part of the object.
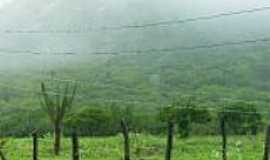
(242, 117)
(94, 121)
(145, 84)
(184, 112)
(144, 147)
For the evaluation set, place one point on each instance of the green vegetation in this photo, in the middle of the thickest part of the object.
(144, 84)
(56, 106)
(147, 91)
(143, 147)
(170, 71)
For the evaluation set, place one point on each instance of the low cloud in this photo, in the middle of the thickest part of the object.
(4, 2)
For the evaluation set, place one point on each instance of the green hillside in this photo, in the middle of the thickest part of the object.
(144, 82)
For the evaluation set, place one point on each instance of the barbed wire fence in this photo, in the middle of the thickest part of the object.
(220, 146)
(223, 146)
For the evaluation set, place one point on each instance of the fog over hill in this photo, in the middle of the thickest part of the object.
(51, 20)
(86, 16)
(41, 39)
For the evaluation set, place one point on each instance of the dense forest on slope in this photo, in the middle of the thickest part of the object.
(53, 41)
(142, 82)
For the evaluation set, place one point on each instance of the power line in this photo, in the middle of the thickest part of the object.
(200, 18)
(72, 81)
(217, 45)
(146, 25)
(222, 110)
(54, 53)
(79, 96)
(153, 50)
(216, 110)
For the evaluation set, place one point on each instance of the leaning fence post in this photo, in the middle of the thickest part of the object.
(169, 141)
(224, 137)
(75, 146)
(126, 139)
(35, 145)
(267, 144)
(2, 155)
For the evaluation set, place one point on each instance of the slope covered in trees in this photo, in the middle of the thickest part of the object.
(143, 83)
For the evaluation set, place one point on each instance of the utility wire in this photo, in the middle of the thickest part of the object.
(217, 110)
(83, 97)
(78, 96)
(207, 46)
(200, 18)
(72, 81)
(146, 25)
(153, 50)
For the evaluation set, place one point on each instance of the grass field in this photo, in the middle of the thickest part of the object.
(144, 147)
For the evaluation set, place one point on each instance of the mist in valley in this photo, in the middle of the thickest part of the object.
(144, 67)
(52, 20)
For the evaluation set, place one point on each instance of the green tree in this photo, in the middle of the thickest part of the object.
(93, 121)
(242, 117)
(185, 111)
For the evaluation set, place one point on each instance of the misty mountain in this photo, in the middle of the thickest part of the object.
(77, 28)
(87, 17)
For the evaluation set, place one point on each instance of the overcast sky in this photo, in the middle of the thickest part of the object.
(4, 2)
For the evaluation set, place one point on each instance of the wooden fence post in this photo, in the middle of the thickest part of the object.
(75, 146)
(169, 147)
(2, 155)
(224, 137)
(267, 144)
(35, 146)
(126, 139)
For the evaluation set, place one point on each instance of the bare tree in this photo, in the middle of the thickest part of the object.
(56, 105)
